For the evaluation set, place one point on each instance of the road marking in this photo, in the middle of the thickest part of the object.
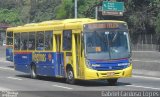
(151, 78)
(143, 87)
(4, 89)
(62, 87)
(5, 68)
(153, 61)
(14, 78)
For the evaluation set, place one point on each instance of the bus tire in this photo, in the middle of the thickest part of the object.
(112, 81)
(33, 72)
(70, 76)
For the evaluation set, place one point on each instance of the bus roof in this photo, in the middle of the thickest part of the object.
(117, 21)
(10, 29)
(30, 24)
(58, 24)
(78, 20)
(52, 22)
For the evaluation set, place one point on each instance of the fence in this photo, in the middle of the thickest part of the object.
(145, 42)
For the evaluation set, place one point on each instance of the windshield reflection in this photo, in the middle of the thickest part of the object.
(107, 44)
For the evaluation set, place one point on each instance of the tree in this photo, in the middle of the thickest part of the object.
(65, 9)
(9, 16)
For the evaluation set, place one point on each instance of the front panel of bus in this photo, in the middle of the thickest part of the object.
(9, 46)
(107, 50)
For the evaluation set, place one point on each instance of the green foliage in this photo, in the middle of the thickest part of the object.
(86, 8)
(9, 16)
(141, 15)
(42, 10)
(65, 10)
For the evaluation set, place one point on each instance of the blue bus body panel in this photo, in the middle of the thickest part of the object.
(47, 63)
(59, 65)
(45, 67)
(22, 61)
(9, 54)
(109, 65)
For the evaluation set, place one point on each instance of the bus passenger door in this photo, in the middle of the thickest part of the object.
(78, 63)
(59, 66)
(78, 55)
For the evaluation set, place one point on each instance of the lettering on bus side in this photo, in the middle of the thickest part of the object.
(39, 57)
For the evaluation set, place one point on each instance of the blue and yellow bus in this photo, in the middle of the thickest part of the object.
(84, 49)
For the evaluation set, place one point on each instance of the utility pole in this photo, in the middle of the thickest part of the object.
(75, 8)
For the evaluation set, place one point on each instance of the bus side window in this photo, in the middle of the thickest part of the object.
(48, 40)
(9, 38)
(31, 42)
(67, 40)
(40, 41)
(17, 41)
(24, 41)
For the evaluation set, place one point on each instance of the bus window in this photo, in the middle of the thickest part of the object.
(67, 40)
(31, 42)
(17, 41)
(9, 38)
(24, 41)
(40, 41)
(48, 40)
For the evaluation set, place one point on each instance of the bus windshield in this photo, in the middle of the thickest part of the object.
(107, 44)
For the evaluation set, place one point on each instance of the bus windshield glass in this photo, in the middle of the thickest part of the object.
(107, 44)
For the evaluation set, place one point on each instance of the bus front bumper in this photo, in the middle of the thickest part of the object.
(102, 75)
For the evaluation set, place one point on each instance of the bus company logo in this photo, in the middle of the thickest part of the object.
(49, 56)
(39, 57)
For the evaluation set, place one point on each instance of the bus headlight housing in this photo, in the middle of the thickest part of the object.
(88, 64)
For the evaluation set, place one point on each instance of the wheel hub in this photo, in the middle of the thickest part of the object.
(70, 75)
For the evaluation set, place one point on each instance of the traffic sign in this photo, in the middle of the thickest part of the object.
(113, 6)
(113, 13)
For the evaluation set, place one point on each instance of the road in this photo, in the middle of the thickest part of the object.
(23, 86)
(11, 80)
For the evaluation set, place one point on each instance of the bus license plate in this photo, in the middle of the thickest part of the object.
(110, 73)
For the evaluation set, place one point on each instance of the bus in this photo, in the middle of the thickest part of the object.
(74, 49)
(9, 44)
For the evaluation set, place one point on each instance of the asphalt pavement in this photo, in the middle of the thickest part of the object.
(17, 84)
(21, 83)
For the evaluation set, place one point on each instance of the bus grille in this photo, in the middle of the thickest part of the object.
(109, 68)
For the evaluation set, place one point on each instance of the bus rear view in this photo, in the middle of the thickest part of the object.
(107, 51)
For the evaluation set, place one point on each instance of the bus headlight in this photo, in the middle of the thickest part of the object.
(124, 64)
(88, 64)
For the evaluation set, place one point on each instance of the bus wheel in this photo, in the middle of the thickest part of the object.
(70, 76)
(33, 72)
(112, 81)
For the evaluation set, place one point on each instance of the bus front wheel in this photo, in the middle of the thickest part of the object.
(70, 76)
(112, 81)
(33, 72)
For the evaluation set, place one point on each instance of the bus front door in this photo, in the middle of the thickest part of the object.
(79, 65)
